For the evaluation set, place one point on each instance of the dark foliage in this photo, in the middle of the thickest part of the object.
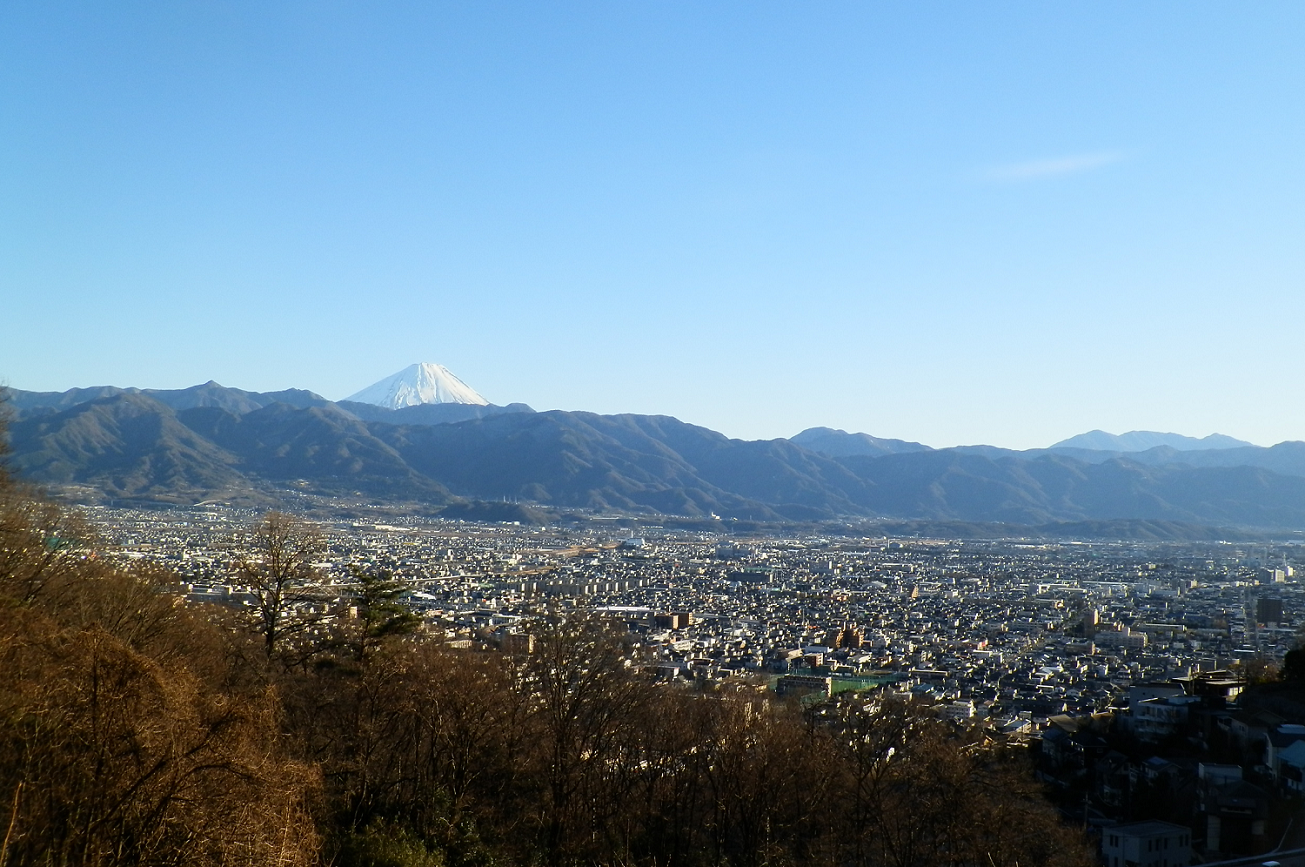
(135, 729)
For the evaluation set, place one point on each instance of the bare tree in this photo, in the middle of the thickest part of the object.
(124, 737)
(588, 709)
(275, 563)
(42, 546)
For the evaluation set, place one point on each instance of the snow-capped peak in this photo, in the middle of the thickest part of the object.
(418, 384)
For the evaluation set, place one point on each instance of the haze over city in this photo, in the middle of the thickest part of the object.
(953, 224)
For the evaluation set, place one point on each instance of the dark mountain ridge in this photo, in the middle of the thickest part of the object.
(428, 413)
(209, 441)
(126, 445)
(207, 394)
(840, 443)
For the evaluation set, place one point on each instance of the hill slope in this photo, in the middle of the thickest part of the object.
(131, 444)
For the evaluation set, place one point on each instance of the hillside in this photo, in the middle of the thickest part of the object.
(210, 442)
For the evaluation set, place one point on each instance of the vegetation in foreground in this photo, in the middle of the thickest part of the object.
(137, 729)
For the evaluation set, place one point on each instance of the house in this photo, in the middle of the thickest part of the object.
(1155, 719)
(1250, 729)
(1289, 768)
(1146, 844)
(1278, 741)
(1236, 817)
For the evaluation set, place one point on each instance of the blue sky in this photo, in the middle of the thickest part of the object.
(946, 222)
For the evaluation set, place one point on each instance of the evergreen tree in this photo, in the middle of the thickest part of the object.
(380, 613)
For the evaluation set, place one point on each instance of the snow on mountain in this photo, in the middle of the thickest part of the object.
(418, 384)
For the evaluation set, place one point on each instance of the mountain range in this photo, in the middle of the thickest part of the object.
(210, 442)
(1142, 440)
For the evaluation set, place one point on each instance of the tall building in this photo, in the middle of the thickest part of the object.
(1268, 609)
(1091, 620)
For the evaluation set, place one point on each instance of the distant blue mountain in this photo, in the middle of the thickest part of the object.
(840, 443)
(1141, 440)
(209, 442)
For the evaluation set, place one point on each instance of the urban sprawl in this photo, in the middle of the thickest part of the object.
(1124, 665)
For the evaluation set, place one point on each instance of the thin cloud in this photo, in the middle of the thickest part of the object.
(1036, 170)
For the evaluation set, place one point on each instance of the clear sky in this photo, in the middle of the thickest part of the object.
(946, 222)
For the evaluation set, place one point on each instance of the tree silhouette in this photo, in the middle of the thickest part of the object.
(274, 562)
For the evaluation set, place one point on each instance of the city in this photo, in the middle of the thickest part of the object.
(651, 434)
(1074, 649)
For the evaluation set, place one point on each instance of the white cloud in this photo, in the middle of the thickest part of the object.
(1034, 170)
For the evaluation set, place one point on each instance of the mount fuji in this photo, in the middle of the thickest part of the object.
(416, 385)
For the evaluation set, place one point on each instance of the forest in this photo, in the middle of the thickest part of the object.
(138, 728)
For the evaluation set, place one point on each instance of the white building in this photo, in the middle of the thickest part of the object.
(1147, 844)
